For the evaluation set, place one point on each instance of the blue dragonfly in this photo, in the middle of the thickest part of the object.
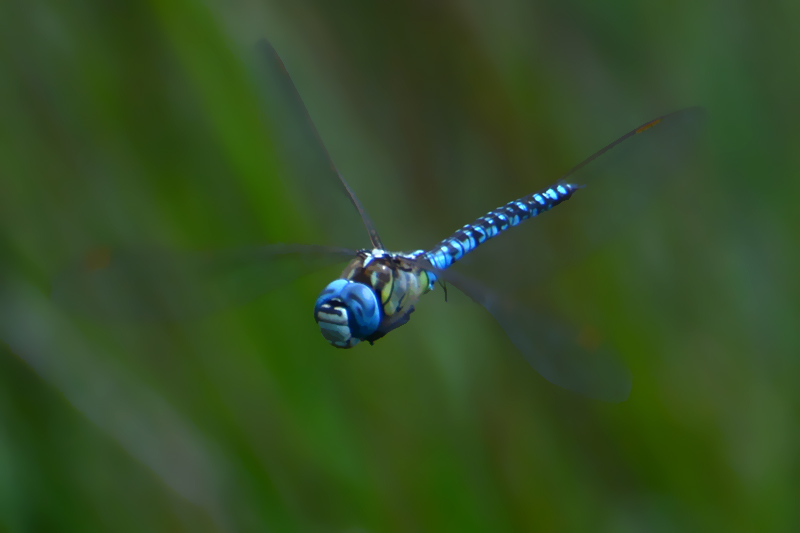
(378, 290)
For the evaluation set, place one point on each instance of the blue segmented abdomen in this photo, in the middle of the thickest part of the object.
(495, 222)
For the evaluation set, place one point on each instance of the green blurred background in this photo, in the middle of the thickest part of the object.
(128, 123)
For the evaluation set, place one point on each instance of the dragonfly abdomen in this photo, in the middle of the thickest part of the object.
(496, 222)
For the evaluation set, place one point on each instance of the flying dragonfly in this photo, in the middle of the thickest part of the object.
(379, 289)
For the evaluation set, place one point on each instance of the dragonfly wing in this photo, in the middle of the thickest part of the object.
(557, 352)
(665, 133)
(160, 285)
(623, 178)
(620, 180)
(301, 138)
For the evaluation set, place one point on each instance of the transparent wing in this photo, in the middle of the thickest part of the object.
(556, 351)
(161, 285)
(670, 127)
(315, 170)
(620, 180)
(623, 177)
(632, 168)
(635, 165)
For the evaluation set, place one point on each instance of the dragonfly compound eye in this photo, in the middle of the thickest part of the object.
(347, 312)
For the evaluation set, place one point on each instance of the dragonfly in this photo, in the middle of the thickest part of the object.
(379, 289)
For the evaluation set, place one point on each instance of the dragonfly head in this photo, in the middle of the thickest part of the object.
(347, 312)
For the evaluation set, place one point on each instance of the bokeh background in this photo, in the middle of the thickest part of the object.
(126, 124)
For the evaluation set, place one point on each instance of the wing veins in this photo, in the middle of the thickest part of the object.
(263, 46)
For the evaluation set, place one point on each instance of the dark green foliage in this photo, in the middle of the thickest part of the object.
(131, 126)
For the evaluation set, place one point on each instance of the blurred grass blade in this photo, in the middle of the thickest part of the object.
(142, 422)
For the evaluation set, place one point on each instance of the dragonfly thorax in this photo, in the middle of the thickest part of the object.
(375, 294)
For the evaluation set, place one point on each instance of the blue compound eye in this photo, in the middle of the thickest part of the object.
(347, 312)
(364, 313)
(333, 290)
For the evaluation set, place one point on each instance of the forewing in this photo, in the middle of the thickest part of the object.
(313, 172)
(161, 285)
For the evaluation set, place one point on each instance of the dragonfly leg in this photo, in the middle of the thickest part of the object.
(390, 325)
